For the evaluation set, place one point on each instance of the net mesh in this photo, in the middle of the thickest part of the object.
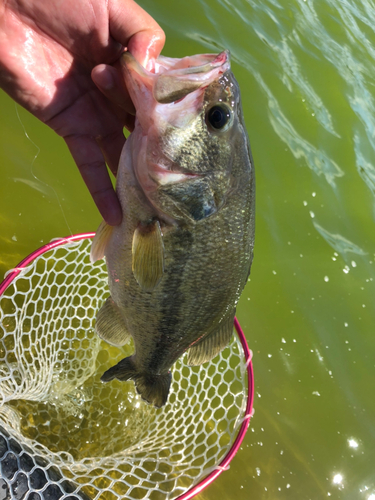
(84, 438)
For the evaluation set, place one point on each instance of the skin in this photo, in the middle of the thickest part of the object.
(54, 61)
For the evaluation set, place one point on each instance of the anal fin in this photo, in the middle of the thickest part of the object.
(210, 346)
(148, 255)
(124, 370)
(110, 325)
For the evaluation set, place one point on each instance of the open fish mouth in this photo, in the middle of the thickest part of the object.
(170, 80)
(187, 75)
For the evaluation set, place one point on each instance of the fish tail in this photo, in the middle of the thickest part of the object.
(152, 388)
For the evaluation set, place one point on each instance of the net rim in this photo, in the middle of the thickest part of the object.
(224, 464)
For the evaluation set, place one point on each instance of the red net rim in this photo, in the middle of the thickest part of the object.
(224, 464)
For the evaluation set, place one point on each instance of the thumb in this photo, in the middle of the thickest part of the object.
(135, 29)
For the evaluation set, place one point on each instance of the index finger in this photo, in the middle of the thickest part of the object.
(90, 161)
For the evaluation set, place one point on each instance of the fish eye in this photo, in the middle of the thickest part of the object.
(218, 116)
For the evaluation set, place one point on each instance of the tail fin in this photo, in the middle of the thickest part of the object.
(154, 389)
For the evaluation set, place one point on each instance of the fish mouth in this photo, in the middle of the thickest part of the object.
(170, 80)
(163, 175)
(188, 75)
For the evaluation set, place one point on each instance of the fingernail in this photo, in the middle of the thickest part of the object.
(103, 78)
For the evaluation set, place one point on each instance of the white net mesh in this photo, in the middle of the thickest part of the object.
(64, 433)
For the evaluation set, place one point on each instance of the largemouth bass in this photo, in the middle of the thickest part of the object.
(178, 262)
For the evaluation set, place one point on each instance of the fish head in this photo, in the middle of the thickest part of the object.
(188, 128)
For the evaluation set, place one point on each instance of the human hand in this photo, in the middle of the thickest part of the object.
(47, 53)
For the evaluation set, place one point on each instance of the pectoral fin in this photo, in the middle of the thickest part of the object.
(210, 346)
(110, 325)
(148, 255)
(100, 241)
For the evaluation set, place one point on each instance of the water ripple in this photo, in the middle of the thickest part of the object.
(338, 242)
(316, 159)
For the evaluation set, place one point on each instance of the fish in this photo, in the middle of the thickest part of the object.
(178, 262)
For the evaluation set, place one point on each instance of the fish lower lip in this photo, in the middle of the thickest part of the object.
(165, 176)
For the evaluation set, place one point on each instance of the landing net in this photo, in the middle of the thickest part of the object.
(65, 434)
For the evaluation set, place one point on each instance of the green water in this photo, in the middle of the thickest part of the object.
(306, 70)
